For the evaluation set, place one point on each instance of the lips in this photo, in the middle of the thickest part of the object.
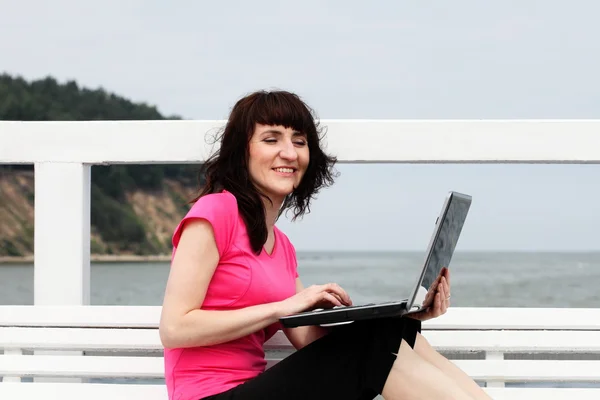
(285, 170)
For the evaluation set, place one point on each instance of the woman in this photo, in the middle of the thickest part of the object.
(234, 273)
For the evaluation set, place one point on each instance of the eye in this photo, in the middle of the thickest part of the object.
(270, 140)
(300, 142)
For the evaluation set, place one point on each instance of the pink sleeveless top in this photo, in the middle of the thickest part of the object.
(241, 279)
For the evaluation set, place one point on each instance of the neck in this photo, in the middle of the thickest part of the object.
(271, 212)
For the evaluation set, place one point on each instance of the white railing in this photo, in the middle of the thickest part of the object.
(63, 152)
(123, 342)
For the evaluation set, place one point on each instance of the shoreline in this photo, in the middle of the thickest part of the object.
(132, 258)
(108, 258)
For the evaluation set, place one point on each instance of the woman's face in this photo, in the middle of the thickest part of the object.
(278, 158)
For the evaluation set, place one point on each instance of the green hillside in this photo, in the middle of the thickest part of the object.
(117, 225)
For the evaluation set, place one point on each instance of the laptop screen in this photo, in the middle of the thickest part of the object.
(443, 242)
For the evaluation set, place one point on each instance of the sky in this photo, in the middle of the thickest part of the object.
(355, 59)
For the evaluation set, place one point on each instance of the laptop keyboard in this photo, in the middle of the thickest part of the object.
(367, 305)
(357, 306)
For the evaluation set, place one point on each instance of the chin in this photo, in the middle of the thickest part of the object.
(281, 193)
(284, 194)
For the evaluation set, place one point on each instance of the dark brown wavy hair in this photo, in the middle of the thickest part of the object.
(227, 168)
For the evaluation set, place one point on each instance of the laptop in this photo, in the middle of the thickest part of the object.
(448, 227)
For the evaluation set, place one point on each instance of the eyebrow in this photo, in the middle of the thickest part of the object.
(278, 132)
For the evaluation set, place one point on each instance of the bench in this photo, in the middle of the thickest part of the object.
(114, 352)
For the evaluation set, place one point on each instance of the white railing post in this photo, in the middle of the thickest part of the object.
(62, 234)
(12, 352)
(62, 239)
(494, 356)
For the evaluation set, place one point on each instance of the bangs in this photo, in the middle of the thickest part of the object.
(282, 108)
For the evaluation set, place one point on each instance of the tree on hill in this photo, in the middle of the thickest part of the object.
(48, 100)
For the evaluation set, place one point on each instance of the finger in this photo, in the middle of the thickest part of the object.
(334, 287)
(440, 276)
(442, 290)
(326, 288)
(436, 283)
(447, 277)
(445, 300)
(443, 306)
(447, 289)
(444, 297)
(431, 310)
(344, 295)
(438, 305)
(331, 298)
(337, 296)
(429, 298)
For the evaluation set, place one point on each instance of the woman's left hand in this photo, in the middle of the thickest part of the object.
(437, 300)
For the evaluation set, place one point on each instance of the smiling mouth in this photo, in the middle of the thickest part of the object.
(285, 170)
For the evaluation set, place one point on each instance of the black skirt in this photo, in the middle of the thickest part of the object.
(351, 362)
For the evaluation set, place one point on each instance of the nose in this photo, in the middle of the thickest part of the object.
(288, 151)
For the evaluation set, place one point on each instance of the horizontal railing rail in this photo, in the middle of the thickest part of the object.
(122, 343)
(352, 141)
(472, 318)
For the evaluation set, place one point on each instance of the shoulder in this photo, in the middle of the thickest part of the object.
(220, 211)
(285, 240)
(289, 250)
(221, 204)
(287, 245)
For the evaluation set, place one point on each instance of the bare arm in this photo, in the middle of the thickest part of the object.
(303, 335)
(182, 324)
